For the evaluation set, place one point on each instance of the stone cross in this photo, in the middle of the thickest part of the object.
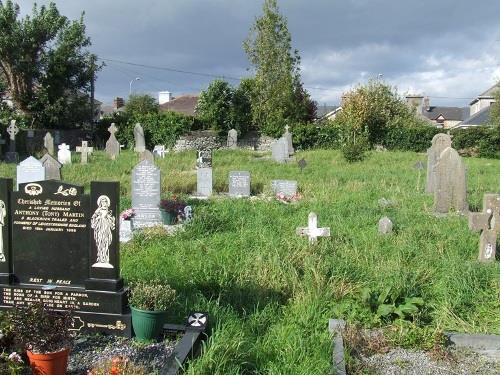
(13, 130)
(312, 230)
(85, 151)
(112, 144)
(64, 154)
(488, 222)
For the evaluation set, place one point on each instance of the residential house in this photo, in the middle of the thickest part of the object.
(117, 106)
(441, 117)
(480, 109)
(327, 112)
(185, 104)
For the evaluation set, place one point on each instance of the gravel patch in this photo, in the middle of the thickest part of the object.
(406, 362)
(91, 350)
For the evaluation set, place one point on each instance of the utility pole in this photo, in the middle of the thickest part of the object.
(92, 92)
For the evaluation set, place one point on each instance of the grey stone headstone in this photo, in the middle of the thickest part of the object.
(112, 144)
(232, 138)
(239, 184)
(288, 138)
(385, 225)
(48, 143)
(204, 159)
(30, 170)
(204, 182)
(285, 187)
(450, 183)
(147, 155)
(57, 137)
(140, 143)
(85, 151)
(146, 191)
(279, 151)
(439, 143)
(52, 167)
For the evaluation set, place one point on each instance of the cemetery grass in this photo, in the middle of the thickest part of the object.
(270, 295)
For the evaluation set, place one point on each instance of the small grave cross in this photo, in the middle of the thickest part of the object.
(112, 129)
(488, 222)
(312, 230)
(85, 151)
(13, 130)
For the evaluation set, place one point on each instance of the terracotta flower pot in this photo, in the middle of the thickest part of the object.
(49, 363)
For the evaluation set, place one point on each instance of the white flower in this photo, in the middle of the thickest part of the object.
(14, 357)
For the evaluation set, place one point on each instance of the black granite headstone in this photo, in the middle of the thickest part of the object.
(62, 247)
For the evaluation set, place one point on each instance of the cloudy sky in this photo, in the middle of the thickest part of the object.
(446, 49)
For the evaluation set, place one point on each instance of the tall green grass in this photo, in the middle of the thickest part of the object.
(270, 294)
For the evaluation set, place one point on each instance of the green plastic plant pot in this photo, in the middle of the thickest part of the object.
(167, 218)
(147, 325)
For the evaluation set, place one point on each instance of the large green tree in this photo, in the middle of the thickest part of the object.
(141, 105)
(279, 98)
(47, 67)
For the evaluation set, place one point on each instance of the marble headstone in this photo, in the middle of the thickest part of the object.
(112, 144)
(239, 184)
(52, 167)
(204, 182)
(140, 143)
(146, 190)
(450, 183)
(48, 143)
(232, 138)
(285, 187)
(439, 143)
(30, 170)
(64, 154)
(279, 150)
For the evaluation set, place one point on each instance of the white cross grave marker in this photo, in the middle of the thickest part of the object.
(64, 154)
(488, 222)
(312, 230)
(85, 151)
(12, 130)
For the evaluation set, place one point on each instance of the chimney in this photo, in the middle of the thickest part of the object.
(415, 102)
(427, 104)
(164, 97)
(118, 103)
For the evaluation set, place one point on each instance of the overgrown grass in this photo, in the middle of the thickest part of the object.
(270, 294)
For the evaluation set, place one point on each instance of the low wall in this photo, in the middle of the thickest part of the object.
(211, 140)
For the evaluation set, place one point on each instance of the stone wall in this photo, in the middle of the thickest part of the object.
(211, 140)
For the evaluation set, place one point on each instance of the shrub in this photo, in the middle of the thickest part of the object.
(354, 152)
(484, 141)
(151, 296)
(416, 138)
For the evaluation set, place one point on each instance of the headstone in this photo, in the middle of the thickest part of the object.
(112, 144)
(64, 154)
(125, 230)
(30, 144)
(30, 170)
(279, 151)
(12, 156)
(204, 182)
(232, 139)
(188, 214)
(302, 164)
(57, 137)
(285, 187)
(385, 225)
(386, 203)
(85, 150)
(312, 231)
(450, 183)
(140, 143)
(159, 151)
(288, 138)
(147, 155)
(48, 143)
(439, 143)
(52, 167)
(204, 159)
(146, 191)
(239, 184)
(488, 223)
(62, 247)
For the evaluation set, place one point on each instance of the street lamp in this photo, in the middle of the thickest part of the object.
(130, 86)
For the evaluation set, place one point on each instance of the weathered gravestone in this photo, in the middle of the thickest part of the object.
(146, 192)
(62, 247)
(52, 167)
(64, 154)
(312, 231)
(112, 144)
(288, 138)
(147, 155)
(232, 138)
(48, 143)
(30, 141)
(140, 143)
(239, 184)
(12, 156)
(204, 178)
(450, 183)
(85, 150)
(439, 143)
(279, 151)
(488, 222)
(385, 225)
(286, 187)
(29, 170)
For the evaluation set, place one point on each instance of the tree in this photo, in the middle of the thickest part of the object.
(279, 97)
(47, 68)
(214, 105)
(141, 105)
(495, 110)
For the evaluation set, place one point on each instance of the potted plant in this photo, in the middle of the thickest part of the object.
(172, 210)
(149, 302)
(45, 335)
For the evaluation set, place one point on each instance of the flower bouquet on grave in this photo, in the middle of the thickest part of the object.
(127, 214)
(172, 210)
(149, 302)
(283, 198)
(46, 336)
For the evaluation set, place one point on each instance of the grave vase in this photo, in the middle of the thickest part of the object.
(167, 217)
(147, 325)
(49, 363)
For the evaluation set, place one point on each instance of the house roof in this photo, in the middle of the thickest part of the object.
(488, 94)
(477, 119)
(449, 113)
(185, 104)
(322, 110)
